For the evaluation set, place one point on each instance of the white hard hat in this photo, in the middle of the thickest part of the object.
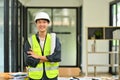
(42, 15)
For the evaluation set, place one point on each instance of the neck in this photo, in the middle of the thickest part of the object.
(42, 34)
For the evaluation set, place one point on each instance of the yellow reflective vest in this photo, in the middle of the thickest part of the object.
(51, 68)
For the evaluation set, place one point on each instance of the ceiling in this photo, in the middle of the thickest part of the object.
(51, 3)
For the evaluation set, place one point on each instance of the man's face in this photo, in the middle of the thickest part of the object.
(42, 25)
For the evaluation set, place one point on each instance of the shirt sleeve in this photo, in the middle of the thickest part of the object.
(28, 59)
(25, 49)
(56, 56)
(26, 46)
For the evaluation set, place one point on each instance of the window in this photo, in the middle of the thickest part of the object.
(116, 14)
(2, 35)
(64, 24)
(115, 19)
(115, 22)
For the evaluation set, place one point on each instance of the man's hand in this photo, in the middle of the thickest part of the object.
(31, 53)
(42, 58)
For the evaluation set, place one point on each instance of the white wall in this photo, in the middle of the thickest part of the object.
(95, 13)
(52, 3)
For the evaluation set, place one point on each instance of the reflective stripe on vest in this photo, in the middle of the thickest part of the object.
(50, 67)
(35, 69)
(40, 69)
(53, 42)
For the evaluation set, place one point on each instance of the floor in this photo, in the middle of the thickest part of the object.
(73, 74)
(68, 73)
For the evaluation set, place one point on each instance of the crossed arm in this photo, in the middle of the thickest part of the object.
(42, 58)
(55, 57)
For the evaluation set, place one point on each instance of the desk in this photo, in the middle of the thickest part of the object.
(7, 76)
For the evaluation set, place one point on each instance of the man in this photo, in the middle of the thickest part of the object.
(43, 51)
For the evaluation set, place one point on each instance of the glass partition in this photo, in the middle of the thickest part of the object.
(10, 2)
(115, 20)
(1, 35)
(118, 14)
(63, 22)
(114, 15)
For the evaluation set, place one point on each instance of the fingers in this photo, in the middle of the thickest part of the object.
(35, 56)
(31, 49)
(30, 52)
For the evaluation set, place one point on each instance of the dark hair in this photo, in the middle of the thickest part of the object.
(43, 19)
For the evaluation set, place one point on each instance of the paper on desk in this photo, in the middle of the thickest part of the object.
(19, 75)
